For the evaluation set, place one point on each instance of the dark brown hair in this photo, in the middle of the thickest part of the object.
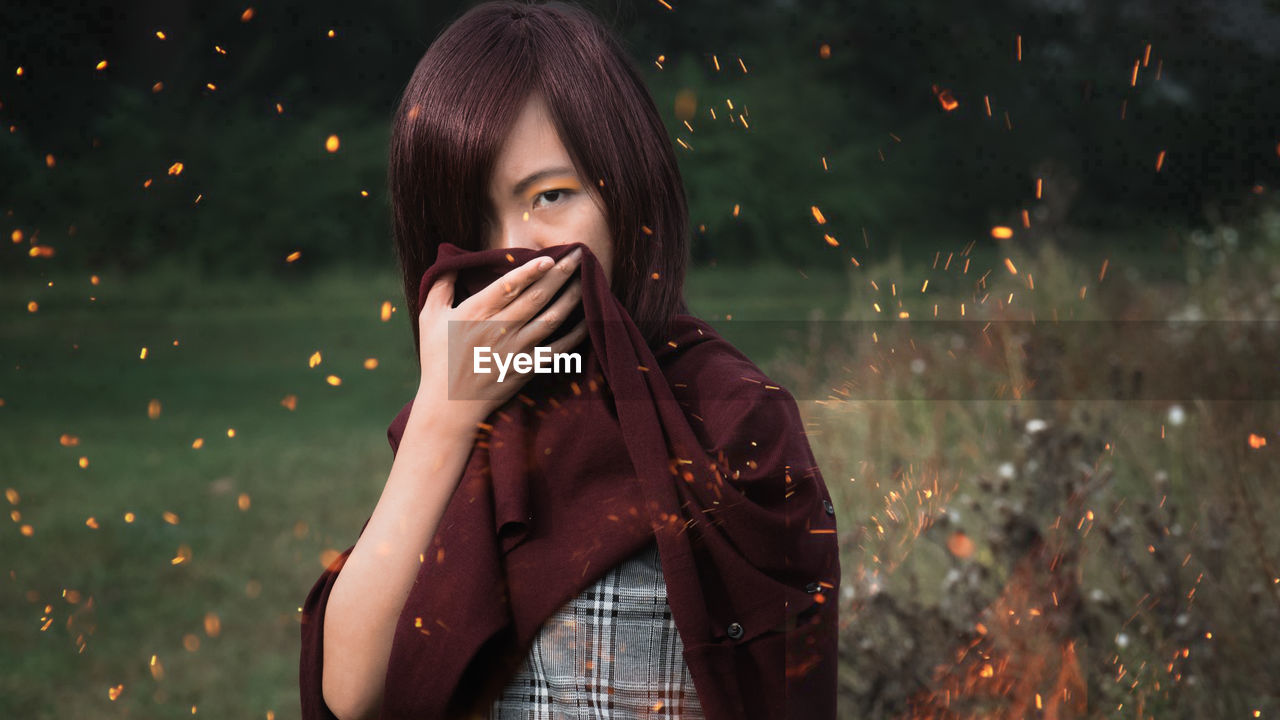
(457, 110)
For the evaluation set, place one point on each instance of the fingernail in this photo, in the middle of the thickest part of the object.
(544, 263)
(576, 254)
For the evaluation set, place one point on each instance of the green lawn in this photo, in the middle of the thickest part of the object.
(85, 610)
(311, 475)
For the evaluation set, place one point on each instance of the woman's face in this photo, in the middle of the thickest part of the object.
(537, 197)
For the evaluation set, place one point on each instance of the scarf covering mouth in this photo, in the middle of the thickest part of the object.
(688, 443)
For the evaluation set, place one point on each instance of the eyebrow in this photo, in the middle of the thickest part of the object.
(532, 178)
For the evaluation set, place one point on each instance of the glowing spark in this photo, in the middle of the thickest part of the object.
(84, 462)
(817, 215)
(1257, 441)
(370, 363)
(49, 160)
(160, 34)
(143, 354)
(715, 60)
(331, 144)
(331, 33)
(231, 432)
(1009, 264)
(247, 15)
(32, 306)
(333, 380)
(153, 409)
(945, 99)
(114, 692)
(211, 86)
(960, 545)
(824, 52)
(1019, 48)
(831, 241)
(1001, 232)
(743, 66)
(293, 256)
(1159, 161)
(290, 402)
(175, 169)
(197, 443)
(170, 518)
(686, 104)
(68, 440)
(1134, 80)
(102, 65)
(314, 360)
(664, 4)
(242, 501)
(386, 311)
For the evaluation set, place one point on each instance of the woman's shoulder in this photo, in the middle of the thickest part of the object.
(713, 378)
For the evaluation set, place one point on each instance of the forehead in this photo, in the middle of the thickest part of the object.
(532, 144)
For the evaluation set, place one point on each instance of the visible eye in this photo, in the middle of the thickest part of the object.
(555, 195)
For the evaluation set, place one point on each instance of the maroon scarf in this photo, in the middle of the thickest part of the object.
(687, 442)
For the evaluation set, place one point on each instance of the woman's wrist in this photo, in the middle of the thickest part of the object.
(435, 414)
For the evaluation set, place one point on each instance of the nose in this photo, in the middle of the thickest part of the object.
(520, 233)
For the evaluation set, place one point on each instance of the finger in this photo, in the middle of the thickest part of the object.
(541, 291)
(499, 293)
(556, 313)
(441, 292)
(571, 339)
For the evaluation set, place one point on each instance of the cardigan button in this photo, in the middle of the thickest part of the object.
(813, 587)
(735, 630)
(831, 509)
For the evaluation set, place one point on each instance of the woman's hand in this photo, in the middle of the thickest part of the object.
(500, 317)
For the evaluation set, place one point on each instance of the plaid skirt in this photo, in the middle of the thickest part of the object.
(611, 652)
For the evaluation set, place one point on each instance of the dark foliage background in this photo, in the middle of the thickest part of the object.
(901, 170)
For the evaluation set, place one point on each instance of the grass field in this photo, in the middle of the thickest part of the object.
(170, 576)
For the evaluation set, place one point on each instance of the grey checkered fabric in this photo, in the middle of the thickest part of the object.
(611, 652)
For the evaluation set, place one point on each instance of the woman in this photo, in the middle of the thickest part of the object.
(581, 555)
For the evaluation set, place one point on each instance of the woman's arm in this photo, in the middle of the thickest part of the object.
(370, 592)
